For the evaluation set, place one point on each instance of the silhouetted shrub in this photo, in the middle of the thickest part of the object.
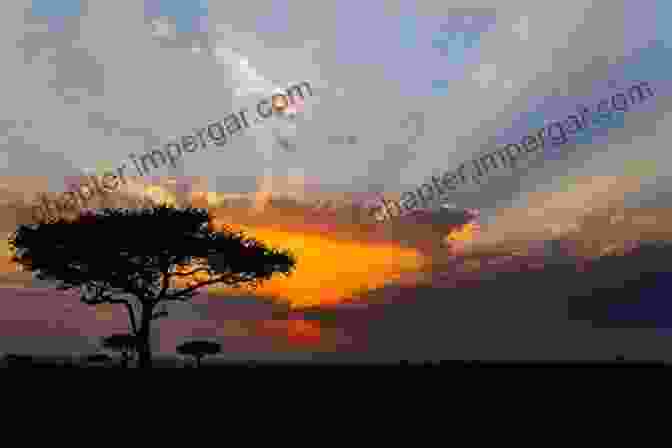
(199, 349)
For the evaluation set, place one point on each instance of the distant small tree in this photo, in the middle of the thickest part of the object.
(98, 358)
(199, 349)
(144, 257)
(19, 360)
(123, 343)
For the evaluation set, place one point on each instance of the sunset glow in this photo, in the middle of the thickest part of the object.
(464, 234)
(328, 270)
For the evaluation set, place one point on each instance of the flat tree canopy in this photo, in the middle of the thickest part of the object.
(114, 255)
(199, 348)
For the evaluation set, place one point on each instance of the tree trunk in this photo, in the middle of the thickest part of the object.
(144, 348)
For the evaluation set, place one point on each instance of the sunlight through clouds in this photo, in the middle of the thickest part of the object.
(249, 80)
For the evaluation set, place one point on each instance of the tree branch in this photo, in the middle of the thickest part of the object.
(187, 274)
(184, 295)
(165, 267)
(99, 295)
(101, 298)
(94, 301)
(159, 315)
(129, 288)
(131, 313)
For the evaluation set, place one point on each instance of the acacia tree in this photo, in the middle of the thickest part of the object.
(143, 257)
(199, 349)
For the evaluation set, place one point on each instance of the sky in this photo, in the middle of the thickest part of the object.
(427, 60)
(88, 82)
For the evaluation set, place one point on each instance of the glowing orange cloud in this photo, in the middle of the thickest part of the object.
(328, 270)
(464, 234)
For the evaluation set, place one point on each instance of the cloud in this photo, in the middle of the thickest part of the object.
(546, 215)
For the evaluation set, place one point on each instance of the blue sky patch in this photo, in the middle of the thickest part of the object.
(421, 53)
(56, 8)
(663, 12)
(188, 14)
(440, 87)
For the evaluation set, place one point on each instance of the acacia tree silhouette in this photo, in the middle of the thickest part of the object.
(126, 256)
(122, 343)
(199, 349)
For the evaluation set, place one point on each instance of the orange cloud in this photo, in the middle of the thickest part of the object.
(330, 270)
